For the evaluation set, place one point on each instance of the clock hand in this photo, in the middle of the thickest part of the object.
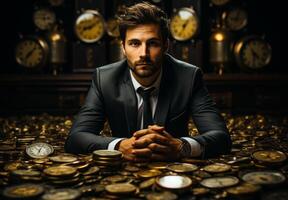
(30, 52)
(89, 26)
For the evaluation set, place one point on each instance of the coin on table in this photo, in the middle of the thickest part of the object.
(269, 157)
(157, 165)
(63, 158)
(243, 189)
(220, 182)
(264, 177)
(166, 195)
(174, 182)
(131, 168)
(25, 172)
(182, 167)
(121, 188)
(217, 168)
(60, 170)
(23, 191)
(147, 183)
(107, 153)
(62, 194)
(148, 173)
(91, 171)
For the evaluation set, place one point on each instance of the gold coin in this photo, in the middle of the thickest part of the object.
(148, 173)
(147, 183)
(217, 168)
(182, 167)
(91, 170)
(61, 170)
(107, 153)
(24, 172)
(158, 165)
(200, 191)
(115, 179)
(23, 191)
(269, 156)
(121, 188)
(131, 168)
(62, 194)
(166, 195)
(63, 158)
(244, 188)
(174, 182)
(219, 182)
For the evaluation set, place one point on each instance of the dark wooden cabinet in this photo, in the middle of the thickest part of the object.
(64, 94)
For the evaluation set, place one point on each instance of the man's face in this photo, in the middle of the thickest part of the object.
(144, 49)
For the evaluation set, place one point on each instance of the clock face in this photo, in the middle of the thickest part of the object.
(31, 53)
(89, 26)
(235, 19)
(44, 19)
(184, 24)
(39, 150)
(252, 53)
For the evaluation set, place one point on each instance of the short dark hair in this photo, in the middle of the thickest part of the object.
(143, 13)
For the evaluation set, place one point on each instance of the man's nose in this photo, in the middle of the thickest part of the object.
(144, 50)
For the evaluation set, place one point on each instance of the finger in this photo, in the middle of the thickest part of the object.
(151, 138)
(145, 152)
(140, 133)
(158, 148)
(156, 128)
(166, 134)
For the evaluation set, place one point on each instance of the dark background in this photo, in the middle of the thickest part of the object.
(265, 18)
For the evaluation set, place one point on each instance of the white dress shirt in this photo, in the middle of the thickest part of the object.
(196, 149)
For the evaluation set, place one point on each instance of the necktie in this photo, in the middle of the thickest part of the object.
(147, 113)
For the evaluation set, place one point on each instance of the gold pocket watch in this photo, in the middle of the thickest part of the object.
(39, 150)
(90, 26)
(184, 24)
(44, 19)
(32, 52)
(252, 52)
(235, 19)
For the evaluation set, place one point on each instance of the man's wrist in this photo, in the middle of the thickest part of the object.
(185, 149)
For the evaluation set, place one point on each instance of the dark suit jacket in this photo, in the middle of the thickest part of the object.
(182, 94)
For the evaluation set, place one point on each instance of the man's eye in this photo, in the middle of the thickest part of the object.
(134, 44)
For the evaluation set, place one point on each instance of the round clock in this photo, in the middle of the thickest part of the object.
(39, 150)
(235, 19)
(219, 2)
(90, 26)
(44, 19)
(252, 52)
(113, 27)
(184, 24)
(32, 52)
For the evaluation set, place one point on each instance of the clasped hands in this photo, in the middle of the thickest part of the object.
(151, 144)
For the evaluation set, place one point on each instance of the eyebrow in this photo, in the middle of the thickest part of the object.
(151, 39)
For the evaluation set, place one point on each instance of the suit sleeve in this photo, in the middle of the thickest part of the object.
(84, 135)
(214, 136)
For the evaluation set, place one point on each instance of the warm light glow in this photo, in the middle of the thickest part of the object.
(219, 37)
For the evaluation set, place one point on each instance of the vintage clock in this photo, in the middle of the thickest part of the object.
(44, 18)
(90, 26)
(235, 18)
(39, 150)
(184, 24)
(32, 52)
(252, 52)
(113, 27)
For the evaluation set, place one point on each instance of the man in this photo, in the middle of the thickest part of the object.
(148, 99)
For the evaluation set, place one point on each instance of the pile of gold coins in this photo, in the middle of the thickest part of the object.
(35, 166)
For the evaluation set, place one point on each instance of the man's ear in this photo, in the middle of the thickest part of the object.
(123, 48)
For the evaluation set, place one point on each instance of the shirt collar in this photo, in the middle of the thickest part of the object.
(137, 85)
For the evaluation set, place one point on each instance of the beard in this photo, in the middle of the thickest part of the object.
(145, 67)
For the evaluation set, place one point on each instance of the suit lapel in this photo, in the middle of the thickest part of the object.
(129, 99)
(164, 96)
